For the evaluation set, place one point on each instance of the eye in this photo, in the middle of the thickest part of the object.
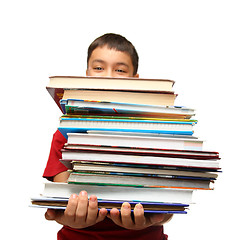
(120, 70)
(98, 68)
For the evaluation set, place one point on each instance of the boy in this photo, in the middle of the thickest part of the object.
(110, 55)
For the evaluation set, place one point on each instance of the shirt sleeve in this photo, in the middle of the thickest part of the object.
(54, 166)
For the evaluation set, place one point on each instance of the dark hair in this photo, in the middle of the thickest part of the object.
(117, 42)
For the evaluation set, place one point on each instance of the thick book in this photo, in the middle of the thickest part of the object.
(127, 117)
(110, 83)
(76, 106)
(119, 193)
(137, 124)
(120, 139)
(116, 179)
(117, 89)
(93, 115)
(139, 169)
(174, 153)
(149, 207)
(69, 155)
(66, 130)
(125, 96)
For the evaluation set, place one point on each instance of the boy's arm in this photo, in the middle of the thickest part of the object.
(61, 177)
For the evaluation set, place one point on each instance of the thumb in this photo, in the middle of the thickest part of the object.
(161, 218)
(50, 214)
(156, 218)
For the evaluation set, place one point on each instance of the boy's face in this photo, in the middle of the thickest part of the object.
(107, 62)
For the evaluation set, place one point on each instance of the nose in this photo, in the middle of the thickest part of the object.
(109, 73)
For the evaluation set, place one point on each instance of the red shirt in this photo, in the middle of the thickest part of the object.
(54, 166)
(103, 230)
(107, 230)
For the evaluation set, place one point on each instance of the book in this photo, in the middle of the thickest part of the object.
(174, 153)
(128, 142)
(120, 139)
(69, 163)
(135, 97)
(119, 193)
(128, 90)
(116, 179)
(66, 130)
(145, 134)
(93, 115)
(69, 155)
(112, 123)
(77, 106)
(85, 166)
(110, 83)
(149, 207)
(124, 96)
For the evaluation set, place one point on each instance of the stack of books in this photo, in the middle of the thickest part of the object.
(126, 141)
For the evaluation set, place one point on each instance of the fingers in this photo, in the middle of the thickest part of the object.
(92, 210)
(125, 218)
(139, 220)
(55, 215)
(115, 216)
(126, 215)
(81, 212)
(50, 214)
(139, 217)
(160, 218)
(81, 208)
(102, 214)
(70, 212)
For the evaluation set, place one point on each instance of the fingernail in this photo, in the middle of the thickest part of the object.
(93, 198)
(83, 193)
(126, 205)
(74, 196)
(114, 212)
(139, 206)
(103, 211)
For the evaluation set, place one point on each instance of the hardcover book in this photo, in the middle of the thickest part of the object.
(149, 207)
(120, 193)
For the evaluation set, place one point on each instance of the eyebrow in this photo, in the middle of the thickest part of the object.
(122, 63)
(98, 60)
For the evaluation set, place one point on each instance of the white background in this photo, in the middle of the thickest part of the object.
(199, 44)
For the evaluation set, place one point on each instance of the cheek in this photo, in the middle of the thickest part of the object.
(131, 73)
(91, 72)
(131, 70)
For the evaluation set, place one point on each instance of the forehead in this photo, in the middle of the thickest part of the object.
(110, 56)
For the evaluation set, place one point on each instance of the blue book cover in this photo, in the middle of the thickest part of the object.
(42, 202)
(65, 130)
(130, 120)
(63, 103)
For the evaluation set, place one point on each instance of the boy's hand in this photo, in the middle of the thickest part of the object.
(140, 221)
(79, 213)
